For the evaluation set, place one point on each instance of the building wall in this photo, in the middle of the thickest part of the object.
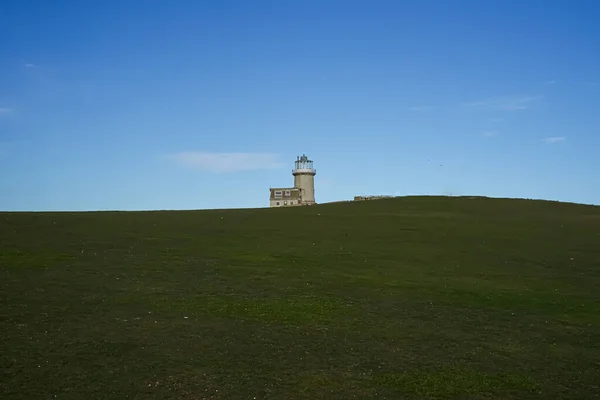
(284, 203)
(306, 182)
(285, 197)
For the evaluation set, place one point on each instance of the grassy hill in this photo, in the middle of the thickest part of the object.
(417, 297)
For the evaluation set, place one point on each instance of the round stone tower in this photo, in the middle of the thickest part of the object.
(304, 179)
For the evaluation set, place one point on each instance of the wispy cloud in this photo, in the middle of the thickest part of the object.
(29, 65)
(489, 134)
(225, 162)
(504, 103)
(554, 139)
(419, 108)
(550, 82)
(5, 110)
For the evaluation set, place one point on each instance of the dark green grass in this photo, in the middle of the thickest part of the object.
(419, 297)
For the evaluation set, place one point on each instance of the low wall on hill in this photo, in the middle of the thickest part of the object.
(361, 198)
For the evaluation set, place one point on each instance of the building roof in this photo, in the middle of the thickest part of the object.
(294, 193)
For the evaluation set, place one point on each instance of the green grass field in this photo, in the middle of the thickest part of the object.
(416, 297)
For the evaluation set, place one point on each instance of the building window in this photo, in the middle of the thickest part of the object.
(277, 203)
(287, 193)
(285, 203)
(291, 203)
(278, 193)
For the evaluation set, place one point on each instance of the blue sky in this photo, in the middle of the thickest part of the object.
(134, 105)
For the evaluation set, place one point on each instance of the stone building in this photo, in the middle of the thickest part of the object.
(303, 192)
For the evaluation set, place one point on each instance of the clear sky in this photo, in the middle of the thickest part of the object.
(189, 104)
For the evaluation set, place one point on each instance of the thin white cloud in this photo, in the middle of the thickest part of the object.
(5, 111)
(489, 133)
(504, 103)
(550, 82)
(225, 162)
(554, 139)
(419, 108)
(29, 65)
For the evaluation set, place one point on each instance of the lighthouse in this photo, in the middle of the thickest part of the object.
(304, 179)
(303, 192)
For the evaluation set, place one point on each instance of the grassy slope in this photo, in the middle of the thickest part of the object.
(415, 297)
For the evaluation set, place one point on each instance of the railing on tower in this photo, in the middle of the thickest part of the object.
(303, 163)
